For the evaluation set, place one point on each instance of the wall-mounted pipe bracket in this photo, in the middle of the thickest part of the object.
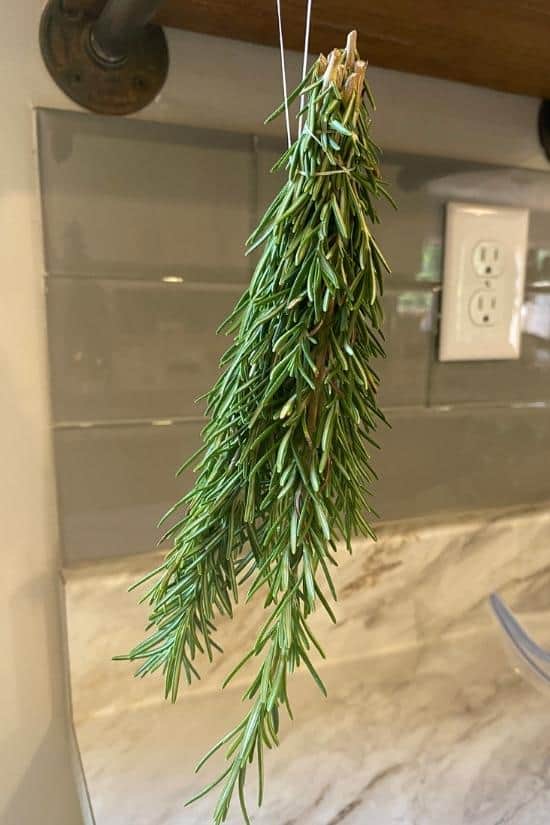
(544, 127)
(113, 64)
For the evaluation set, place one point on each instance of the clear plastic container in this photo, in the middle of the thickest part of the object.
(528, 658)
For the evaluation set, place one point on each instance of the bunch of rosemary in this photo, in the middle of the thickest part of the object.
(284, 470)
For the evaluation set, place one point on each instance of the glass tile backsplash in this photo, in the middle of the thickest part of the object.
(124, 198)
(144, 230)
(132, 349)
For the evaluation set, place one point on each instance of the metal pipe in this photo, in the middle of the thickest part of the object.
(116, 27)
(544, 127)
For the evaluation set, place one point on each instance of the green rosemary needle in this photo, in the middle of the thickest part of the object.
(284, 471)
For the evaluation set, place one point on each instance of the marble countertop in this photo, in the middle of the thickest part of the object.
(426, 723)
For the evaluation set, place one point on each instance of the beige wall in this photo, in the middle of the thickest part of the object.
(36, 783)
(212, 83)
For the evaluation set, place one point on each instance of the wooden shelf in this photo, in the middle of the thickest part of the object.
(504, 45)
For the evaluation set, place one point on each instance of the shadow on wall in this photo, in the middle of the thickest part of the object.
(38, 733)
(39, 788)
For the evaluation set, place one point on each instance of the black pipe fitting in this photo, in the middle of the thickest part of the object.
(118, 26)
(115, 63)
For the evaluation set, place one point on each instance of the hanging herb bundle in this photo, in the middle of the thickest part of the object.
(284, 472)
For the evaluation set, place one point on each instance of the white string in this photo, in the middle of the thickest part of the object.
(283, 71)
(304, 64)
(283, 66)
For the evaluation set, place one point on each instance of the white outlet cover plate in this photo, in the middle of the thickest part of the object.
(481, 311)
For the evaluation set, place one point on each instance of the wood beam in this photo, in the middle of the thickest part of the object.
(504, 45)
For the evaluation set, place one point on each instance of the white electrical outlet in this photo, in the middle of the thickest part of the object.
(483, 307)
(486, 259)
(483, 278)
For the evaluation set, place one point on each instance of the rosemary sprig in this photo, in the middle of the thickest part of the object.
(284, 471)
